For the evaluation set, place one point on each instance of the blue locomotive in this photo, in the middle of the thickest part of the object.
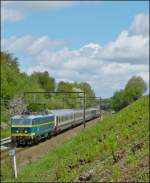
(29, 129)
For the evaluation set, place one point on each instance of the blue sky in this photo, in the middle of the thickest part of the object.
(79, 24)
(73, 25)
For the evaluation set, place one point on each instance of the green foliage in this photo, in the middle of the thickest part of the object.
(134, 89)
(45, 81)
(70, 101)
(89, 93)
(9, 68)
(115, 173)
(13, 83)
(34, 107)
(5, 132)
(118, 100)
(106, 104)
(64, 87)
(4, 114)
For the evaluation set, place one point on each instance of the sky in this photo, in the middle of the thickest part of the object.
(102, 43)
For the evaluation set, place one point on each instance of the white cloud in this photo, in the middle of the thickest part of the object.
(140, 25)
(107, 68)
(11, 15)
(126, 48)
(38, 5)
(125, 68)
(30, 44)
(16, 10)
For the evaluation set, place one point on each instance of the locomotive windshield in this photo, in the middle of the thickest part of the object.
(21, 121)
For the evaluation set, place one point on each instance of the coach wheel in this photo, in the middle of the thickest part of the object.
(16, 144)
(13, 144)
(36, 140)
(49, 135)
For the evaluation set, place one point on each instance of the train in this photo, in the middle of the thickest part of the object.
(32, 128)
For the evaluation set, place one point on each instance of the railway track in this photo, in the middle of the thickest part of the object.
(5, 144)
(42, 147)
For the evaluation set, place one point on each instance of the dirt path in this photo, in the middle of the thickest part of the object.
(33, 153)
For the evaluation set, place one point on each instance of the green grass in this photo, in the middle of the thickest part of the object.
(5, 132)
(93, 147)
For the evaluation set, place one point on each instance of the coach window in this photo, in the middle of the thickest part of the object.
(61, 118)
(37, 120)
(66, 117)
(33, 121)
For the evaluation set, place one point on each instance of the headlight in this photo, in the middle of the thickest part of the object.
(17, 131)
(25, 131)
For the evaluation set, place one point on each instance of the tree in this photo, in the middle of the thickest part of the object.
(64, 87)
(106, 104)
(76, 87)
(118, 100)
(88, 92)
(134, 89)
(45, 81)
(13, 84)
(17, 106)
(9, 75)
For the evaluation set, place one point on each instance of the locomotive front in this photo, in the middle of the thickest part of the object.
(21, 130)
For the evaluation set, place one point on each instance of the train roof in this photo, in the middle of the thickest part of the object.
(67, 111)
(31, 116)
(61, 111)
(51, 113)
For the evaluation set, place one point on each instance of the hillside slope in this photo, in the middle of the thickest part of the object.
(115, 149)
(126, 158)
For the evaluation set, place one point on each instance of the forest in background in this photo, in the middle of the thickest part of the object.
(14, 83)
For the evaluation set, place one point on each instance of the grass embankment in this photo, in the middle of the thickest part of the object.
(115, 149)
(5, 130)
(5, 133)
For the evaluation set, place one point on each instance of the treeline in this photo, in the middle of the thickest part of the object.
(132, 91)
(14, 83)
